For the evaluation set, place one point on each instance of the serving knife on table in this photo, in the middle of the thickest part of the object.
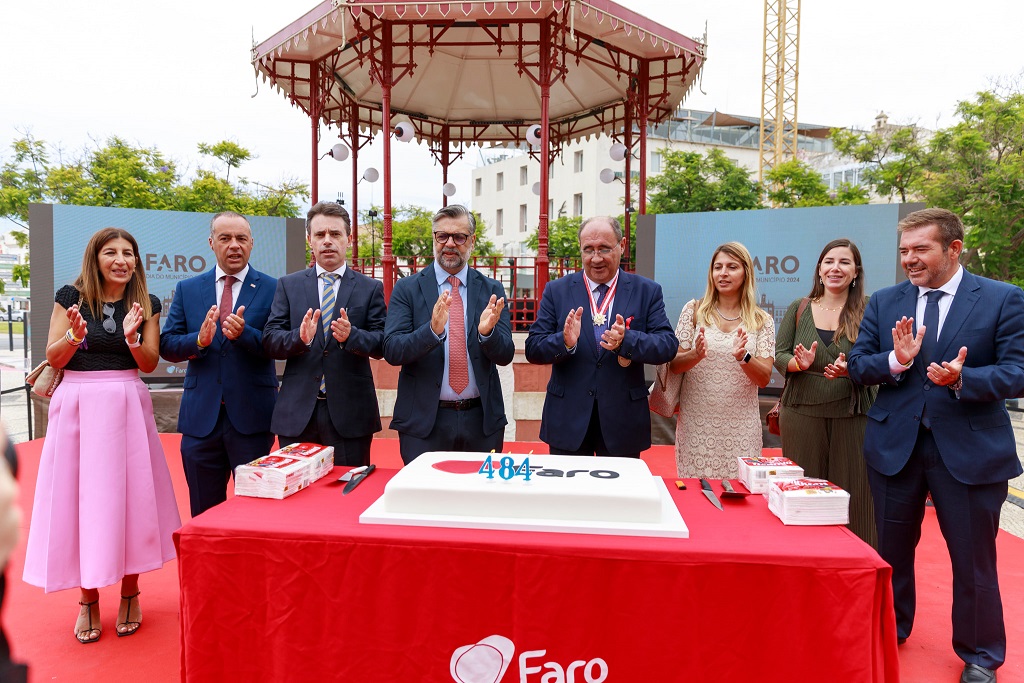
(729, 491)
(347, 477)
(705, 486)
(356, 480)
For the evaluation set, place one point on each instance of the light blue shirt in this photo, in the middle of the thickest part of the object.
(471, 390)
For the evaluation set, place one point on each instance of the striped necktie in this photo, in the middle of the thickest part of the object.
(327, 314)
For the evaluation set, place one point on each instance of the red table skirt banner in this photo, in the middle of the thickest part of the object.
(299, 590)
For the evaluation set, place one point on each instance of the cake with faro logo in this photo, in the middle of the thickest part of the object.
(516, 491)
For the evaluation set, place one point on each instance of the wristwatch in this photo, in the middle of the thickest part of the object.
(138, 341)
(746, 357)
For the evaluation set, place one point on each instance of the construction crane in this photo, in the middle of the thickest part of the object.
(779, 83)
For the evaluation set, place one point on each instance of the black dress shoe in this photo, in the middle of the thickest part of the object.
(974, 673)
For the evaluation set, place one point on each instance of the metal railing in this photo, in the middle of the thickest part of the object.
(24, 388)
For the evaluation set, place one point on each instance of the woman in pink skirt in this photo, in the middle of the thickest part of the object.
(104, 507)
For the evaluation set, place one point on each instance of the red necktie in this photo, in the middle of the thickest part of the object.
(458, 367)
(225, 298)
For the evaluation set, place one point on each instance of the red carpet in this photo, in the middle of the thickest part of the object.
(40, 625)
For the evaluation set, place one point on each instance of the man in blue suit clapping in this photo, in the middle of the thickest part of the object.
(216, 323)
(597, 329)
(940, 424)
(449, 330)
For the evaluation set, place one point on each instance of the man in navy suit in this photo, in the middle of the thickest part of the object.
(597, 329)
(327, 321)
(940, 424)
(216, 323)
(449, 330)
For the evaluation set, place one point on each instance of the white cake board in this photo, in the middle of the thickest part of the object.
(671, 524)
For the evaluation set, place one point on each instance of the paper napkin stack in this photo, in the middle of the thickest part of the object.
(808, 501)
(754, 472)
(284, 472)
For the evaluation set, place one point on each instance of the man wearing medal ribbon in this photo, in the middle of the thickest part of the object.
(597, 329)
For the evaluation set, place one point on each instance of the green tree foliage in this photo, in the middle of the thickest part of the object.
(793, 183)
(895, 156)
(691, 182)
(562, 237)
(231, 153)
(120, 174)
(411, 233)
(975, 168)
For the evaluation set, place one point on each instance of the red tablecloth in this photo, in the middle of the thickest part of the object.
(298, 590)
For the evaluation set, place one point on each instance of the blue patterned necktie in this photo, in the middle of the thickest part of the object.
(602, 291)
(326, 314)
(930, 343)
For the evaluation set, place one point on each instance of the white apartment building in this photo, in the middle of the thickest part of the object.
(11, 255)
(502, 186)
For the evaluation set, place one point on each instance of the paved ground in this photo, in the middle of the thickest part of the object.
(14, 414)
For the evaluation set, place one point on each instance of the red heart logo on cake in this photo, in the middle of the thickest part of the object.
(459, 466)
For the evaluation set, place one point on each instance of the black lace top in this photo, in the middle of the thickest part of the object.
(101, 350)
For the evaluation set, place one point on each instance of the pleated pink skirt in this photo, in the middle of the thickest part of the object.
(104, 505)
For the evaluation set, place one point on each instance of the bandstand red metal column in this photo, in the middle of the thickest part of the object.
(384, 75)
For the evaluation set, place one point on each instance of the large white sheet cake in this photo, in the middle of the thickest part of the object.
(564, 494)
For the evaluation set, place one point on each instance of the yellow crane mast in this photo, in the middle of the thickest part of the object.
(779, 83)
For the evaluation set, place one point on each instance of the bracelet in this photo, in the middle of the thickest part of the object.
(70, 338)
(797, 361)
(138, 341)
(958, 384)
(199, 343)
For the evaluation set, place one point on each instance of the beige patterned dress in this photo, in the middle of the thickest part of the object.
(719, 418)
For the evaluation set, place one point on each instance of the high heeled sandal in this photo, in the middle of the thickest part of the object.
(90, 628)
(134, 625)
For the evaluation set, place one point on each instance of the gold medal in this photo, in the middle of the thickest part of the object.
(598, 319)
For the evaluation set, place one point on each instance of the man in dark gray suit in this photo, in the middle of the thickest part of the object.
(449, 329)
(327, 321)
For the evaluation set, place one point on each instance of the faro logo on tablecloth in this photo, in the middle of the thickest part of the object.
(487, 661)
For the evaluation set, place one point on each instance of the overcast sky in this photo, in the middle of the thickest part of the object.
(173, 74)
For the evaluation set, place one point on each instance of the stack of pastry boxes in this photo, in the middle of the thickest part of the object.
(285, 471)
(755, 472)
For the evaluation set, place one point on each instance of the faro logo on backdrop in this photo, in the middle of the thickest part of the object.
(488, 659)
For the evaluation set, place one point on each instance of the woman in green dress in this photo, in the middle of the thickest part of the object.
(823, 413)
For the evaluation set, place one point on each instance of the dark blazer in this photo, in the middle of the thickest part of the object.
(351, 397)
(973, 434)
(237, 372)
(410, 343)
(594, 374)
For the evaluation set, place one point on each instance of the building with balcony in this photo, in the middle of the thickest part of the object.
(502, 185)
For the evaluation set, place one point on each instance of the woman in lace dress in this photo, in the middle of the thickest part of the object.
(104, 507)
(726, 349)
